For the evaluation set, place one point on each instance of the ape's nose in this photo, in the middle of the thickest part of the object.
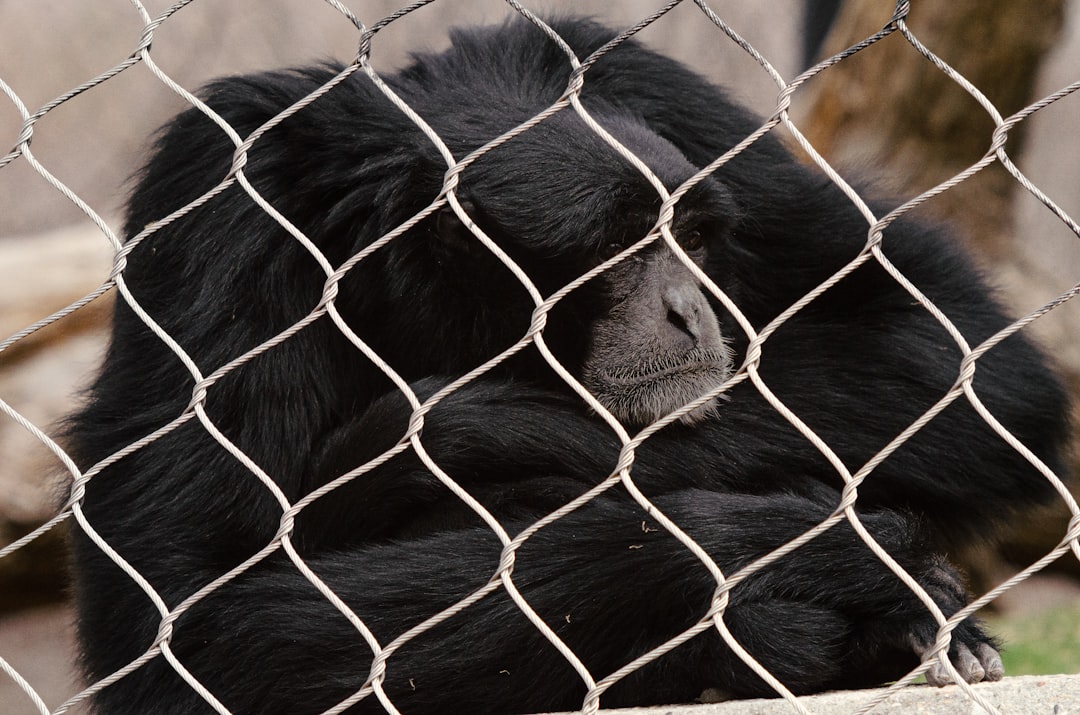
(684, 304)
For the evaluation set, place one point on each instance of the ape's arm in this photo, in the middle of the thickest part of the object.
(814, 619)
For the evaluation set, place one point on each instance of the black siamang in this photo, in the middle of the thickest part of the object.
(858, 365)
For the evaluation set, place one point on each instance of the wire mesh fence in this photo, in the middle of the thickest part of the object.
(432, 391)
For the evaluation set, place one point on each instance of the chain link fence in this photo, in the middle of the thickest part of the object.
(207, 376)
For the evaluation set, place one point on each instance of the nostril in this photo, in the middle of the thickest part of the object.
(686, 323)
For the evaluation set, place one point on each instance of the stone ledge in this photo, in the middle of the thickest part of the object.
(1021, 695)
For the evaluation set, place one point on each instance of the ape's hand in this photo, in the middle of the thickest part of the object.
(973, 654)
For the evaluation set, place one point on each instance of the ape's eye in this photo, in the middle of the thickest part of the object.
(691, 240)
(447, 222)
(611, 250)
(453, 234)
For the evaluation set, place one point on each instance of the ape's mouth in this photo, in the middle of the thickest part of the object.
(675, 367)
(642, 393)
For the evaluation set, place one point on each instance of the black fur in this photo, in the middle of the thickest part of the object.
(858, 365)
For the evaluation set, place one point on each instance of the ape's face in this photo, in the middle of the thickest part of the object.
(559, 200)
(658, 344)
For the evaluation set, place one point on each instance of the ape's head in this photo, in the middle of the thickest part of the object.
(642, 336)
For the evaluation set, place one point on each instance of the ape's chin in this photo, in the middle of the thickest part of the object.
(641, 394)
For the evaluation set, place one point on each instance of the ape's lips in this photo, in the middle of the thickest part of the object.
(643, 393)
(697, 362)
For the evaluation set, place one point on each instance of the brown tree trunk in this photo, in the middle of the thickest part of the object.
(891, 108)
(890, 105)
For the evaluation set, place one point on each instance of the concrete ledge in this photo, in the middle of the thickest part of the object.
(1023, 695)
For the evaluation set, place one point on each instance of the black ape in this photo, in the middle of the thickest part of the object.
(859, 364)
